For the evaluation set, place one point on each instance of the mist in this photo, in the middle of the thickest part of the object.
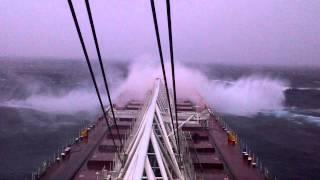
(247, 95)
(75, 101)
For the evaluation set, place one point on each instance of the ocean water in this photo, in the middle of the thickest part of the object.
(40, 112)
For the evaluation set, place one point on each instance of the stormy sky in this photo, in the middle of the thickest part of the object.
(281, 32)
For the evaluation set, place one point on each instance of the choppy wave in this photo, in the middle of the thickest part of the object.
(297, 117)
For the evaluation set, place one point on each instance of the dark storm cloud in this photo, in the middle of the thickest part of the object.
(243, 31)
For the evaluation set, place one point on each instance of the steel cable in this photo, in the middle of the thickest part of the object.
(91, 71)
(102, 67)
(154, 14)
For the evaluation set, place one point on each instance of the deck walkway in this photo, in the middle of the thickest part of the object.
(232, 154)
(79, 153)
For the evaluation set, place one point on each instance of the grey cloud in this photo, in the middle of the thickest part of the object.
(244, 31)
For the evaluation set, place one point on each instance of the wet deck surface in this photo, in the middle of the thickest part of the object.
(212, 156)
(67, 168)
(104, 155)
(232, 154)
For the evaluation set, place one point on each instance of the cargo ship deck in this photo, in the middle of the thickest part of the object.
(208, 150)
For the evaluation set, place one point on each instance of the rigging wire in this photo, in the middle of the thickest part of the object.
(102, 67)
(91, 71)
(172, 67)
(154, 15)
